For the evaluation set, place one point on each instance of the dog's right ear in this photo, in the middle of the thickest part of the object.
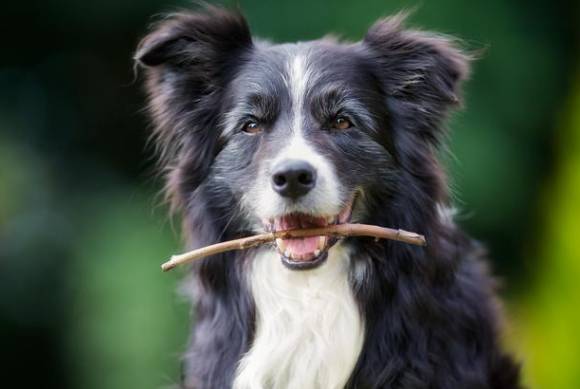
(188, 59)
(190, 37)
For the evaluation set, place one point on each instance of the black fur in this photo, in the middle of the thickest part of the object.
(430, 313)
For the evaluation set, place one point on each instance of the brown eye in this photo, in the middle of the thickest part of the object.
(252, 127)
(341, 123)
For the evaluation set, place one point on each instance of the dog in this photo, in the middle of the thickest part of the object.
(257, 137)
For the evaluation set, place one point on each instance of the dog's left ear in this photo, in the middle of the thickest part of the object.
(420, 72)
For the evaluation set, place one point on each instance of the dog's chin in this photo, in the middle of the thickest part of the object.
(306, 264)
(309, 252)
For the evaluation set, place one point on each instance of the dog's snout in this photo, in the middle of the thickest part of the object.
(293, 178)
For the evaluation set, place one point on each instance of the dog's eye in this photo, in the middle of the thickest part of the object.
(341, 123)
(252, 127)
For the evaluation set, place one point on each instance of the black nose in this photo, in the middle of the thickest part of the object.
(293, 178)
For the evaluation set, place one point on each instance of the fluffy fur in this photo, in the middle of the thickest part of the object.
(309, 333)
(375, 314)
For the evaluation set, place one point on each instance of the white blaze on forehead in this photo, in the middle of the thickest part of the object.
(297, 82)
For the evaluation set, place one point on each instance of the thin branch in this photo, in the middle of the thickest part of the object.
(339, 231)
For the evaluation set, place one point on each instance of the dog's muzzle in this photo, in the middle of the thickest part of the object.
(308, 252)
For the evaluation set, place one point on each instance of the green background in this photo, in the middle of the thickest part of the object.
(83, 303)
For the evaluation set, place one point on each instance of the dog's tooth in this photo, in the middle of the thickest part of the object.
(316, 253)
(281, 245)
(330, 220)
(287, 254)
(321, 242)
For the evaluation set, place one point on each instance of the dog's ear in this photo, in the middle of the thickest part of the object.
(188, 59)
(189, 38)
(420, 72)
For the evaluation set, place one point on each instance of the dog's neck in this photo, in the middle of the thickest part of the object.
(309, 331)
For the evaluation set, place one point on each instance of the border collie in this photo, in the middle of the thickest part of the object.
(258, 136)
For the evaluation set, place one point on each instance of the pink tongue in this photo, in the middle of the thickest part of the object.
(302, 246)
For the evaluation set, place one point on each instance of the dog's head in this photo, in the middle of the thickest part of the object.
(263, 136)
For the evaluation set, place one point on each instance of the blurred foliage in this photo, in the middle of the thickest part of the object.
(548, 318)
(82, 301)
(118, 289)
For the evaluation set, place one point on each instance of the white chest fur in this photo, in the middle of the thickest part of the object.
(309, 332)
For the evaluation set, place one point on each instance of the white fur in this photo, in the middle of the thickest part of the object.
(297, 80)
(446, 214)
(309, 332)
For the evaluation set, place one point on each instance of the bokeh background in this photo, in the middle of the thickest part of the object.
(83, 303)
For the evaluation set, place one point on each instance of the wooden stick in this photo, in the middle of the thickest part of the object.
(339, 231)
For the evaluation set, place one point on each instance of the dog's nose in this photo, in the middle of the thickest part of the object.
(293, 179)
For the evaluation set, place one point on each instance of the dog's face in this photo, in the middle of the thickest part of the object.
(302, 141)
(295, 135)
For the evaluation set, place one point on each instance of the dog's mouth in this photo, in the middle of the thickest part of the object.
(308, 252)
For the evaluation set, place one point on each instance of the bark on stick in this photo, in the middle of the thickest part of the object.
(339, 231)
